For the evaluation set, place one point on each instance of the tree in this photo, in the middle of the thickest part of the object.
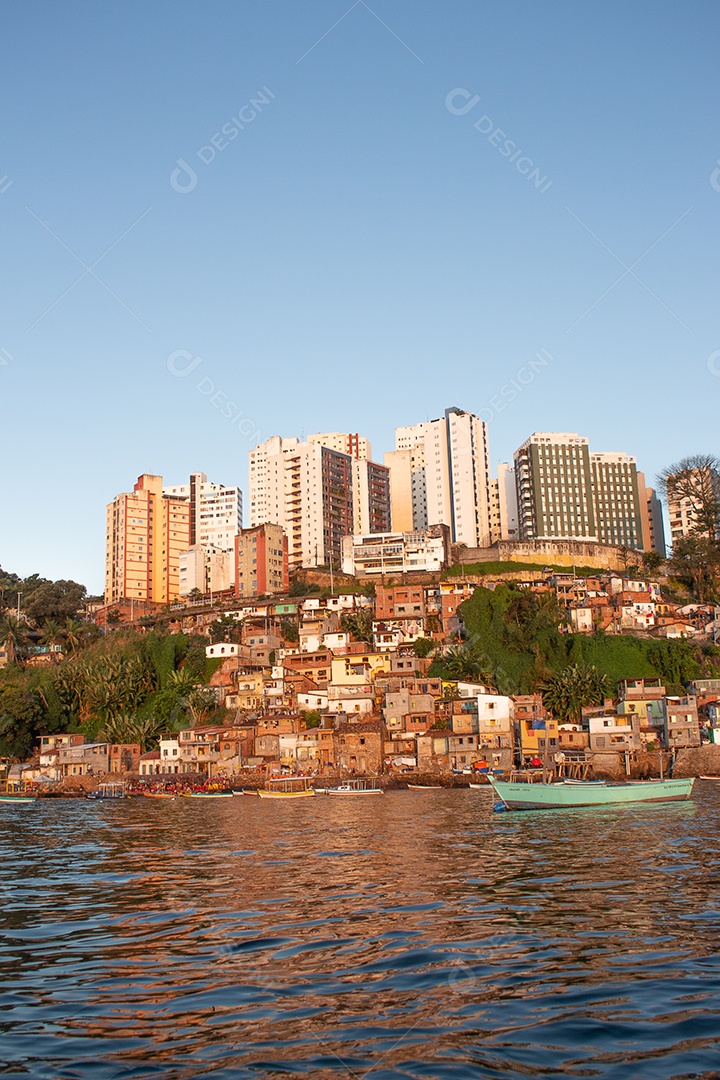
(312, 718)
(568, 692)
(423, 646)
(73, 634)
(129, 728)
(694, 482)
(651, 562)
(289, 630)
(359, 624)
(226, 628)
(54, 600)
(695, 561)
(13, 635)
(51, 633)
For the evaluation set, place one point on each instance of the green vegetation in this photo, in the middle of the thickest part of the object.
(423, 646)
(495, 569)
(514, 642)
(569, 691)
(127, 686)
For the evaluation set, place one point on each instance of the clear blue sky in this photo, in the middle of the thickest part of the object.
(359, 256)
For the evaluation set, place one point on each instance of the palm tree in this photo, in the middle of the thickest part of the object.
(73, 634)
(129, 728)
(51, 632)
(13, 635)
(568, 692)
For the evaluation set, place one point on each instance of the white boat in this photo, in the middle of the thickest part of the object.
(365, 786)
(425, 787)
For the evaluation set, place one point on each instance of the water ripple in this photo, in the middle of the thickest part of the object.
(435, 941)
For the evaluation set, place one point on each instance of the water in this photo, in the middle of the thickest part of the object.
(415, 935)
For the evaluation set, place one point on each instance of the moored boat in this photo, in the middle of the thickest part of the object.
(114, 790)
(287, 787)
(425, 787)
(524, 795)
(159, 794)
(363, 786)
(211, 794)
(17, 797)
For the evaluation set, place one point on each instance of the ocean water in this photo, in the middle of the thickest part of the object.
(414, 935)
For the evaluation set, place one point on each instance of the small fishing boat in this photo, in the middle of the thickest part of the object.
(287, 787)
(426, 787)
(526, 794)
(709, 778)
(364, 786)
(245, 791)
(17, 797)
(159, 794)
(108, 791)
(211, 794)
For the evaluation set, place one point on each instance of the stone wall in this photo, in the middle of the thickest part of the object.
(554, 552)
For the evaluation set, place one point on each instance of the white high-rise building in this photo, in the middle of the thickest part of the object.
(306, 488)
(215, 511)
(354, 445)
(371, 498)
(449, 475)
(503, 505)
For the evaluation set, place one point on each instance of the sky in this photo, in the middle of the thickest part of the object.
(225, 221)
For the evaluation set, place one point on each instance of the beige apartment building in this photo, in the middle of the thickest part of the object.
(145, 533)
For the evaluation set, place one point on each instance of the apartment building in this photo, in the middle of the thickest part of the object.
(503, 505)
(261, 561)
(567, 492)
(443, 476)
(352, 444)
(215, 511)
(145, 533)
(307, 489)
(554, 488)
(371, 497)
(617, 500)
(392, 553)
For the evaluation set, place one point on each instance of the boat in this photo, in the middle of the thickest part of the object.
(287, 787)
(158, 794)
(115, 790)
(17, 797)
(364, 786)
(425, 787)
(526, 794)
(245, 791)
(211, 795)
(709, 778)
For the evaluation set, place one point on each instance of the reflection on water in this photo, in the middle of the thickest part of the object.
(420, 936)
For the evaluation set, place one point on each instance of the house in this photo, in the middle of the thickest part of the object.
(682, 725)
(359, 745)
(611, 733)
(536, 732)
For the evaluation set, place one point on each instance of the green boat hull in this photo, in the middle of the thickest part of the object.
(537, 796)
